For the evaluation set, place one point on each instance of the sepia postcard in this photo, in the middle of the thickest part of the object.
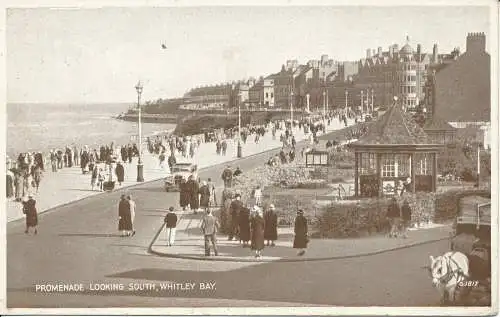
(234, 158)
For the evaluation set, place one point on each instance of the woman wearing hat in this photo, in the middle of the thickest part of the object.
(258, 226)
(271, 230)
(204, 195)
(29, 209)
(301, 239)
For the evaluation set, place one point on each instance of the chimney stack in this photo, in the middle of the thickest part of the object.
(379, 51)
(368, 53)
(374, 53)
(419, 49)
(476, 42)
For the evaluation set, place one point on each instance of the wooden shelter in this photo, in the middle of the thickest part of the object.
(394, 153)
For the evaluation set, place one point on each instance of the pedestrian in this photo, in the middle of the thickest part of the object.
(271, 229)
(227, 177)
(93, 177)
(209, 228)
(120, 173)
(9, 184)
(224, 147)
(301, 238)
(18, 185)
(132, 214)
(193, 189)
(257, 195)
(100, 180)
(183, 194)
(244, 224)
(393, 214)
(170, 225)
(171, 161)
(204, 195)
(37, 176)
(235, 209)
(213, 197)
(258, 226)
(29, 209)
(406, 217)
(124, 221)
(237, 172)
(53, 160)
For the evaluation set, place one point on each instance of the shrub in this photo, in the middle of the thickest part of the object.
(446, 206)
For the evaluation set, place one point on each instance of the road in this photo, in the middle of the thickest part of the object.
(79, 243)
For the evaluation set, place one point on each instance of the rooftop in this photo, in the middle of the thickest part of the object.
(395, 127)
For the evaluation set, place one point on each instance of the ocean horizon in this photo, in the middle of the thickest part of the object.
(46, 126)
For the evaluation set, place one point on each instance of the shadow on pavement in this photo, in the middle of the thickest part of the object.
(83, 190)
(150, 189)
(90, 235)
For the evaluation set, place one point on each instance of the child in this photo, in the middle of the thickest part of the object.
(170, 225)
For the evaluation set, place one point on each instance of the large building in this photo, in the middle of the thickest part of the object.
(462, 90)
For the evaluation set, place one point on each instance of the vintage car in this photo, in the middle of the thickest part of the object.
(178, 172)
(472, 233)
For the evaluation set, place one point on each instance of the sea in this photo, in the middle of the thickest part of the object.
(41, 127)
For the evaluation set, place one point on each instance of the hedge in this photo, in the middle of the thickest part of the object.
(343, 219)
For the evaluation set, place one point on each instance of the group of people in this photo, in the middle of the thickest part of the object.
(126, 216)
(399, 218)
(194, 196)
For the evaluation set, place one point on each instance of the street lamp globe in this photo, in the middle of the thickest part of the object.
(139, 87)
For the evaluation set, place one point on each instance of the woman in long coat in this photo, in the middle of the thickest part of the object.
(183, 194)
(120, 172)
(300, 241)
(125, 219)
(271, 230)
(29, 209)
(244, 223)
(18, 185)
(204, 195)
(258, 226)
(194, 199)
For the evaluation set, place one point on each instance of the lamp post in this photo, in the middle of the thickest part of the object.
(291, 109)
(362, 101)
(140, 170)
(324, 104)
(239, 151)
(372, 99)
(346, 93)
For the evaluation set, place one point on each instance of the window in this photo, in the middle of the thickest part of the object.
(272, 95)
(388, 166)
(368, 164)
(403, 165)
(422, 164)
(267, 95)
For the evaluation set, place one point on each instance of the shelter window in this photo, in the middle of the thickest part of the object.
(368, 163)
(389, 166)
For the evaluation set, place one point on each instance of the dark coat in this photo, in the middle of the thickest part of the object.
(171, 220)
(244, 222)
(125, 222)
(300, 241)
(204, 196)
(393, 210)
(29, 209)
(271, 230)
(10, 186)
(193, 188)
(406, 212)
(258, 226)
(183, 194)
(120, 172)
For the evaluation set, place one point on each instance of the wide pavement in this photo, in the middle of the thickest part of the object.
(79, 243)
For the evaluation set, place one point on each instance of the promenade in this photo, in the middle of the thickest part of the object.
(69, 184)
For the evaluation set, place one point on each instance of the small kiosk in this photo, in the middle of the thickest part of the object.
(395, 150)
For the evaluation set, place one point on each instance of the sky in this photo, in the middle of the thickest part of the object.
(98, 55)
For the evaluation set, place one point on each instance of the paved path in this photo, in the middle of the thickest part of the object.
(190, 244)
(69, 184)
